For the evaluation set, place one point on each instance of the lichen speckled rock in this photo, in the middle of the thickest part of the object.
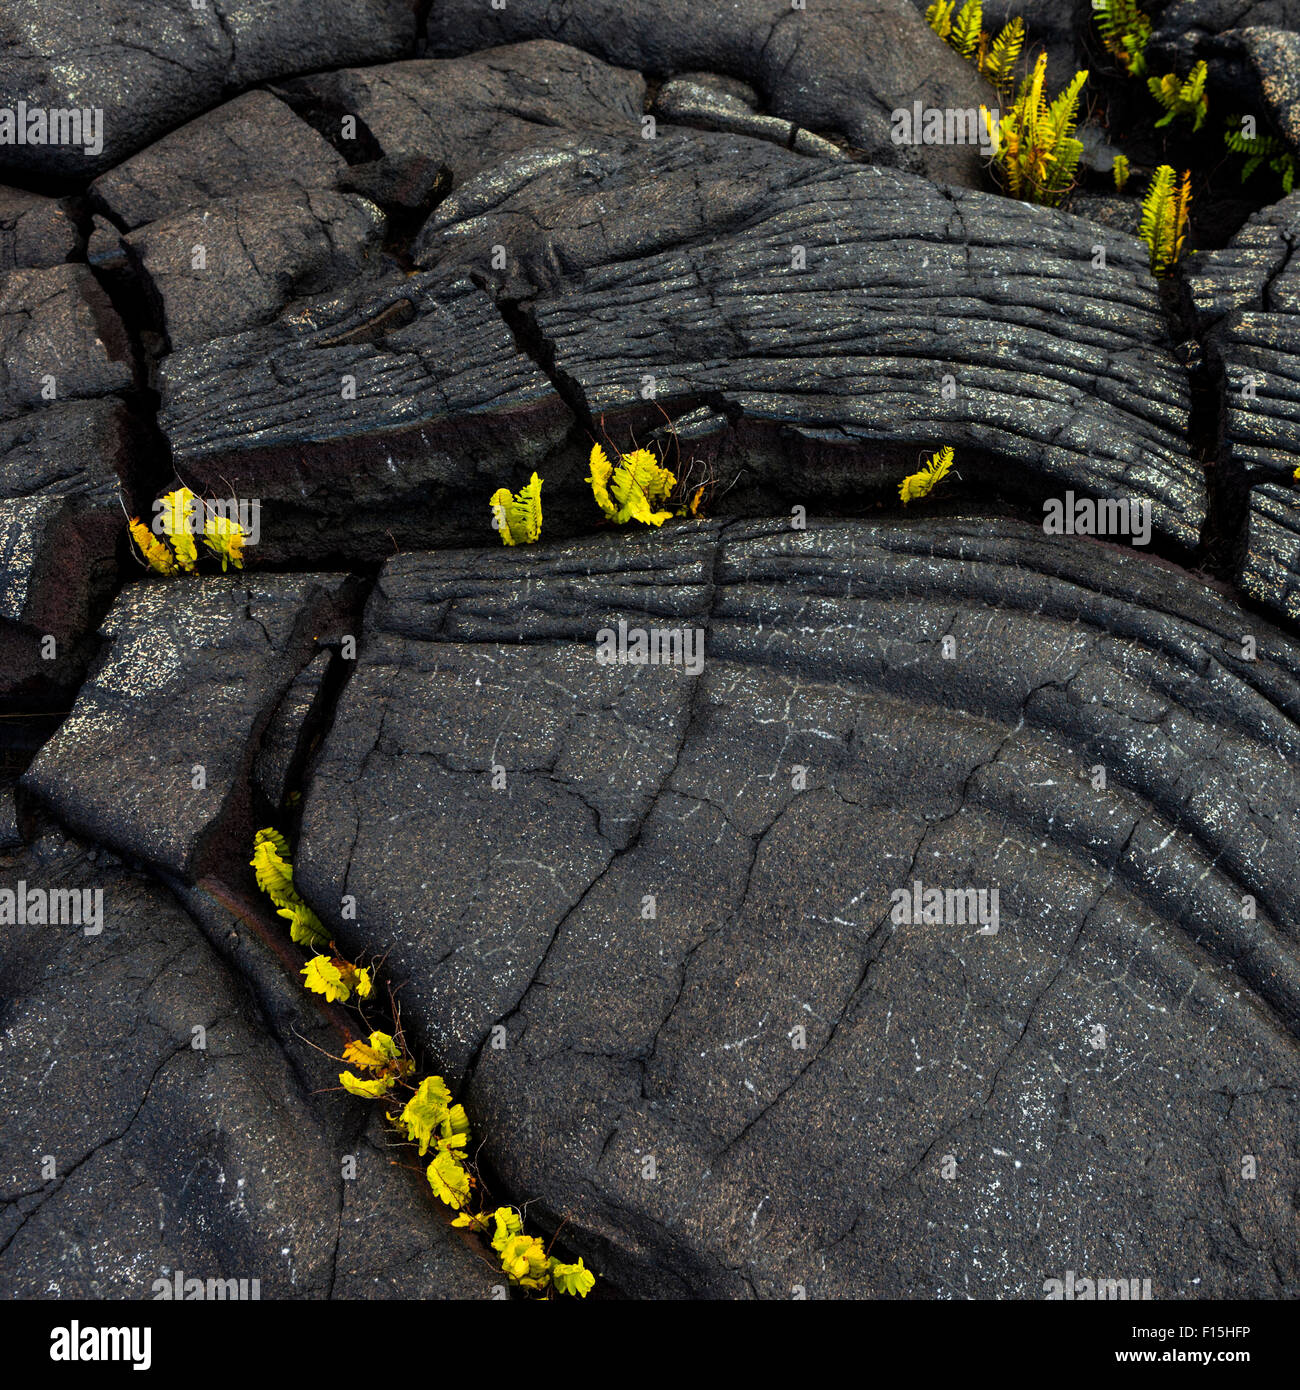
(1248, 299)
(254, 141)
(835, 67)
(60, 339)
(155, 758)
(257, 250)
(171, 60)
(62, 488)
(72, 454)
(35, 231)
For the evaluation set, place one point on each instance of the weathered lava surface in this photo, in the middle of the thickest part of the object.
(364, 262)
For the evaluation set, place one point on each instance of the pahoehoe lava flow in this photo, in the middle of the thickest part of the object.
(813, 875)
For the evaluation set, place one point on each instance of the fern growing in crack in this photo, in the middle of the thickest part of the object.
(1163, 225)
(381, 1068)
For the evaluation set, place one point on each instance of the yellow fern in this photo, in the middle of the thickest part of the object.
(1163, 224)
(156, 553)
(1033, 143)
(225, 539)
(935, 469)
(998, 61)
(368, 1087)
(630, 491)
(430, 1119)
(380, 1054)
(178, 512)
(967, 29)
(271, 867)
(939, 17)
(274, 874)
(518, 518)
(336, 979)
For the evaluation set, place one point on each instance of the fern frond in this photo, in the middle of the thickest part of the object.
(1064, 166)
(630, 491)
(1003, 54)
(1125, 31)
(1178, 219)
(1065, 109)
(1259, 149)
(271, 867)
(225, 539)
(1120, 172)
(518, 519)
(304, 926)
(156, 553)
(431, 1119)
(934, 470)
(1193, 93)
(939, 17)
(1163, 223)
(1182, 98)
(966, 31)
(1165, 91)
(1157, 195)
(178, 511)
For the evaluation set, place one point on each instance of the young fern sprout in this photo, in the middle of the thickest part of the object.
(155, 553)
(637, 487)
(633, 489)
(517, 518)
(179, 513)
(274, 874)
(1121, 172)
(933, 471)
(1163, 225)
